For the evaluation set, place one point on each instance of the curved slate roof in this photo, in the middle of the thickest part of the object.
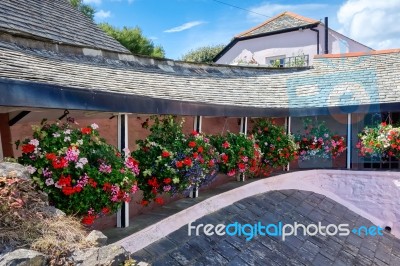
(369, 79)
(56, 21)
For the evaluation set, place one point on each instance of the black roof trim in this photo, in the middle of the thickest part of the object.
(238, 39)
(38, 95)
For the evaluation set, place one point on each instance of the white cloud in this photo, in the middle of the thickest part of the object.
(95, 2)
(373, 23)
(270, 10)
(101, 15)
(185, 26)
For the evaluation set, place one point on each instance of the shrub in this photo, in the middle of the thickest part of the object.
(171, 162)
(277, 147)
(237, 153)
(81, 173)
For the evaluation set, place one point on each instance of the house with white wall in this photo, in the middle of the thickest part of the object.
(287, 40)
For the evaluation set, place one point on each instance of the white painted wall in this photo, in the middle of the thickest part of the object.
(290, 44)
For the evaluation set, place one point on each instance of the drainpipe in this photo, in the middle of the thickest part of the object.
(317, 31)
(326, 35)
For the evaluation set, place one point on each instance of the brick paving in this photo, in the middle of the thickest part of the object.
(288, 206)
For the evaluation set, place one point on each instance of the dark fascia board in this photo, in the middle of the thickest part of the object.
(238, 39)
(26, 94)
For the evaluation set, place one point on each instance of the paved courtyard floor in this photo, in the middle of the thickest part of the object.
(288, 206)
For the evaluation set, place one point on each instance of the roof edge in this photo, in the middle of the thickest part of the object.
(358, 54)
(294, 15)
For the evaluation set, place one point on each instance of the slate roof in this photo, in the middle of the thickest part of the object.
(285, 20)
(55, 21)
(333, 82)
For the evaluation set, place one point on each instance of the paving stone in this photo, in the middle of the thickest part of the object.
(184, 254)
(288, 206)
(322, 260)
(237, 261)
(226, 250)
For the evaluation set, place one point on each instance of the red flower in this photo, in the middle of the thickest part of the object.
(200, 149)
(60, 163)
(165, 154)
(107, 186)
(192, 144)
(383, 124)
(68, 190)
(211, 163)
(224, 158)
(195, 133)
(179, 164)
(51, 156)
(167, 180)
(226, 145)
(64, 181)
(195, 155)
(77, 189)
(153, 182)
(28, 148)
(241, 166)
(92, 183)
(88, 220)
(144, 202)
(105, 210)
(86, 130)
(159, 201)
(187, 161)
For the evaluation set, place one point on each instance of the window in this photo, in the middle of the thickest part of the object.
(275, 61)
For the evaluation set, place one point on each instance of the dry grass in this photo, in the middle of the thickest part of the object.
(26, 222)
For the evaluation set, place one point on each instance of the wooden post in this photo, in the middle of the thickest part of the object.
(5, 137)
(197, 123)
(348, 161)
(288, 122)
(243, 125)
(123, 213)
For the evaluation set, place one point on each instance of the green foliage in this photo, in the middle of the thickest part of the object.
(237, 153)
(133, 40)
(204, 54)
(81, 173)
(277, 147)
(87, 10)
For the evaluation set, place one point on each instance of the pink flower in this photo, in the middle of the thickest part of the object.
(134, 188)
(167, 188)
(104, 168)
(49, 181)
(72, 154)
(231, 172)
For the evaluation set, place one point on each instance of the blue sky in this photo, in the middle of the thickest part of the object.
(182, 25)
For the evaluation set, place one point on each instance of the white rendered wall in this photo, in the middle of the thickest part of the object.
(290, 44)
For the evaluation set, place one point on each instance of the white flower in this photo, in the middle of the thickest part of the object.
(56, 135)
(31, 169)
(67, 139)
(95, 126)
(80, 141)
(34, 142)
(67, 131)
(49, 181)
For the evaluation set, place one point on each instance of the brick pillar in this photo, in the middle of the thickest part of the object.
(5, 135)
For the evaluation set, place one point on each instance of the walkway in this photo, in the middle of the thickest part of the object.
(288, 206)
